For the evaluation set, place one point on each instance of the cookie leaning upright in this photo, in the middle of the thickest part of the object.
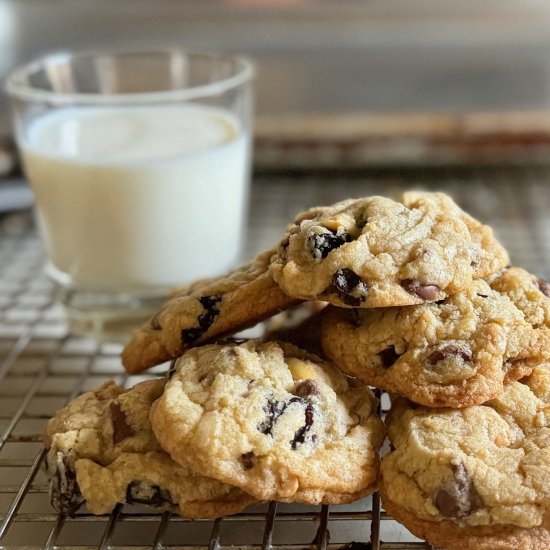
(273, 420)
(476, 478)
(376, 252)
(102, 451)
(204, 310)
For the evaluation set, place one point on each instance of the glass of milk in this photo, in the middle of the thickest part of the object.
(139, 162)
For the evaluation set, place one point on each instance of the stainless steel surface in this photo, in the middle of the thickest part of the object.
(42, 367)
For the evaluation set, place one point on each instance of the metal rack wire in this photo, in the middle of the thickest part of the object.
(42, 367)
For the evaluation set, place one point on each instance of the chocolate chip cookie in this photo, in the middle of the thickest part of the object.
(273, 420)
(376, 252)
(102, 451)
(205, 310)
(454, 353)
(475, 478)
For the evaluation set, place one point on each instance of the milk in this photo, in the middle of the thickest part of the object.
(138, 198)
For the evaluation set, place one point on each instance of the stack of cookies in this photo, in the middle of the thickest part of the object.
(411, 296)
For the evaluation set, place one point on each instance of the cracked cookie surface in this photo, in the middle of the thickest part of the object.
(205, 310)
(377, 252)
(102, 451)
(529, 293)
(454, 353)
(273, 420)
(476, 478)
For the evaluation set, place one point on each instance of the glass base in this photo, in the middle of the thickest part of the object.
(107, 317)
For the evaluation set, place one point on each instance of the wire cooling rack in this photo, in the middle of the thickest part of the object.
(42, 367)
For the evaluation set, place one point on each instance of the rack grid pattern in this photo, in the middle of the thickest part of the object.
(42, 367)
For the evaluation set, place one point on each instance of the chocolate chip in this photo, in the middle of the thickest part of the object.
(145, 492)
(308, 387)
(321, 245)
(457, 498)
(349, 287)
(273, 409)
(121, 428)
(449, 351)
(425, 292)
(248, 460)
(300, 435)
(205, 319)
(298, 400)
(388, 356)
(65, 495)
(482, 295)
(544, 287)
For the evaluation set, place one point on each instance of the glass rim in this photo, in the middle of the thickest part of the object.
(16, 87)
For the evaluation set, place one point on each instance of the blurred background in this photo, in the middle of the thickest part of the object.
(341, 83)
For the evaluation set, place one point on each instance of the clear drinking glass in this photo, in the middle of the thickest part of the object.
(139, 162)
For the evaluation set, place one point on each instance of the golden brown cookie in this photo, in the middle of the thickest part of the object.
(475, 478)
(102, 451)
(376, 252)
(206, 310)
(273, 420)
(454, 353)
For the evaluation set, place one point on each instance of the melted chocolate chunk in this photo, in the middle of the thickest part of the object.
(425, 292)
(544, 287)
(449, 351)
(301, 434)
(321, 245)
(388, 356)
(206, 318)
(273, 410)
(457, 498)
(248, 460)
(349, 287)
(145, 492)
(121, 428)
(65, 494)
(308, 387)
